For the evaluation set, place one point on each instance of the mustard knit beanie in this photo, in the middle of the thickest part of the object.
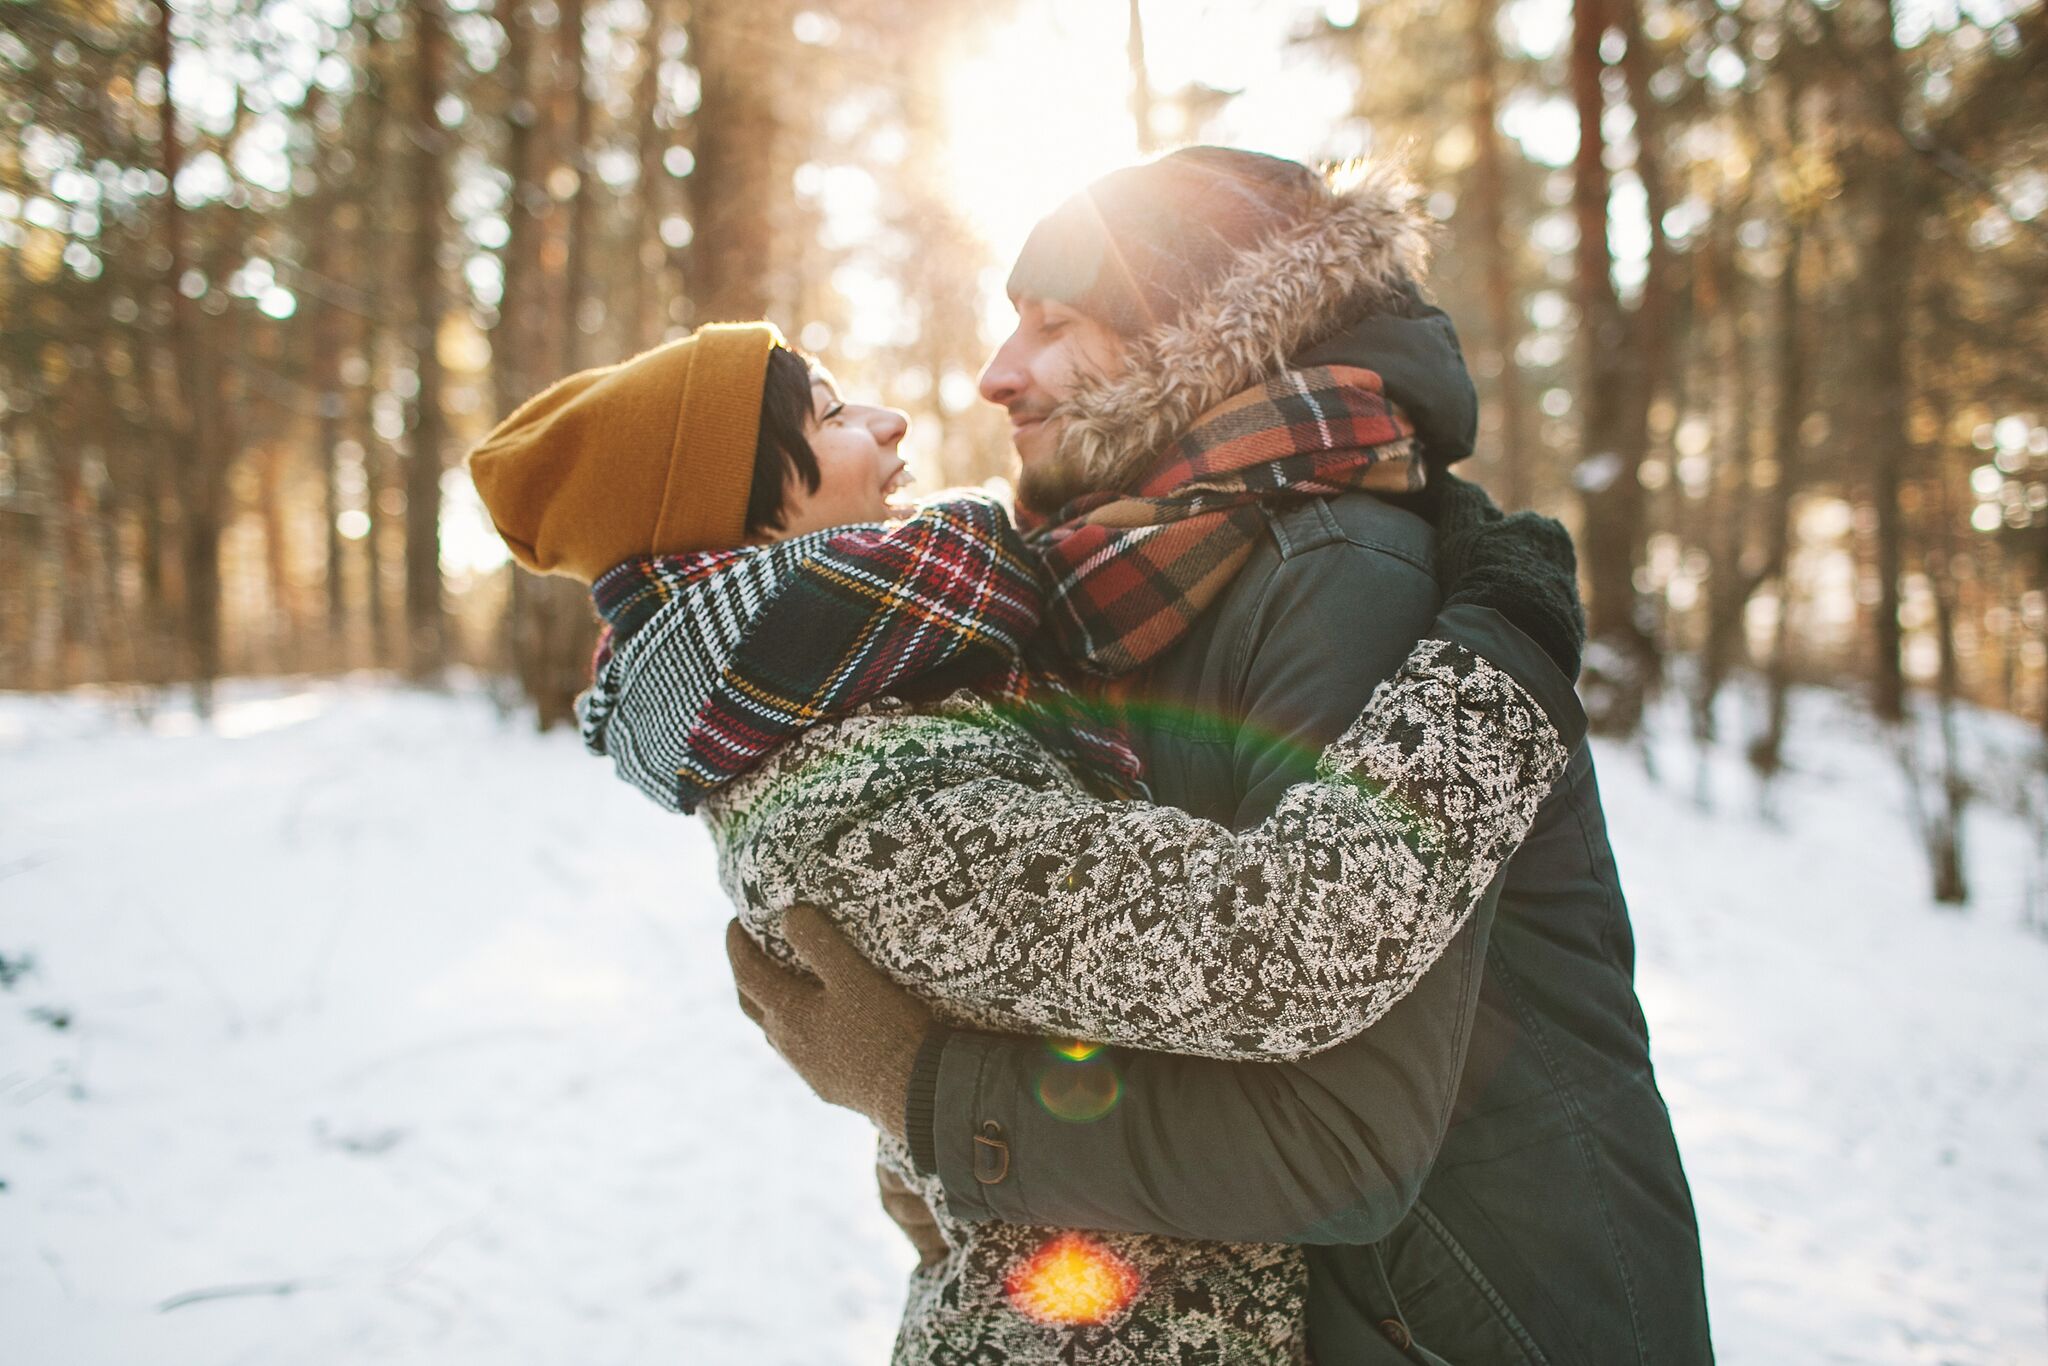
(652, 456)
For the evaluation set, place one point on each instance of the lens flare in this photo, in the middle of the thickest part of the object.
(1074, 1050)
(1079, 1092)
(1072, 1279)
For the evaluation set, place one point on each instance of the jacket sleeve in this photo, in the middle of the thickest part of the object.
(1330, 1148)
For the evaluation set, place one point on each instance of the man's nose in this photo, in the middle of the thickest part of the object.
(1004, 377)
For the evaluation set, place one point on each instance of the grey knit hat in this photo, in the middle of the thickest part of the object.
(1132, 249)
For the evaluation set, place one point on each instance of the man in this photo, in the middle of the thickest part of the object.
(1486, 1175)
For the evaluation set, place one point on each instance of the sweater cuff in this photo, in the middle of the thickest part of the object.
(920, 1109)
(1491, 636)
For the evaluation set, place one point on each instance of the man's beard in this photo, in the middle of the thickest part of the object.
(1050, 482)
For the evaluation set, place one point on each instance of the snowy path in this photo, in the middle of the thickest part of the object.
(410, 1034)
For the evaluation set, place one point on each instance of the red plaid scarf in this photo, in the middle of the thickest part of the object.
(1132, 571)
(741, 650)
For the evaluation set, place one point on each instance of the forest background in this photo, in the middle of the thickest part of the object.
(343, 1017)
(1752, 290)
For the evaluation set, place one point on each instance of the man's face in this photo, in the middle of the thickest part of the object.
(1039, 364)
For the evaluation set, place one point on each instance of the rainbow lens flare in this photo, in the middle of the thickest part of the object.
(1073, 1050)
(1079, 1092)
(1072, 1279)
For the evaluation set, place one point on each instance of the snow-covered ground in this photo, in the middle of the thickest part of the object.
(364, 1025)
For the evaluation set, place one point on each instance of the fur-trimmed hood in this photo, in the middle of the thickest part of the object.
(1351, 265)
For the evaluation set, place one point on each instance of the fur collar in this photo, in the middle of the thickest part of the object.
(1355, 245)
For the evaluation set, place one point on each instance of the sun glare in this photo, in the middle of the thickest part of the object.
(1035, 110)
(1038, 106)
(1074, 1279)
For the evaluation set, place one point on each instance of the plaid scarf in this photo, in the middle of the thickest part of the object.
(1132, 571)
(709, 661)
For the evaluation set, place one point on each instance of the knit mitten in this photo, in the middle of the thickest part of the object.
(847, 1029)
(1521, 566)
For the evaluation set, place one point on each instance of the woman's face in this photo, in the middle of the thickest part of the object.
(858, 465)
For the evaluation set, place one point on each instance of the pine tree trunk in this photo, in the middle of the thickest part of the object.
(1945, 838)
(1651, 330)
(741, 179)
(1514, 452)
(577, 292)
(1767, 752)
(1895, 197)
(1730, 583)
(376, 479)
(426, 650)
(549, 627)
(650, 297)
(1621, 659)
(159, 661)
(512, 338)
(192, 431)
(332, 407)
(378, 238)
(283, 615)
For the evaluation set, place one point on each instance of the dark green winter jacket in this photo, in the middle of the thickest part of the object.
(1489, 1172)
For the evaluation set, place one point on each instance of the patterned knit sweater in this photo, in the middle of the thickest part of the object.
(965, 859)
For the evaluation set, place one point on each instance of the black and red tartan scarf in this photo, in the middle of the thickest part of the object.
(1131, 572)
(710, 661)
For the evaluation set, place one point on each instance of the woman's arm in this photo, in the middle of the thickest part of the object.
(1328, 1149)
(971, 872)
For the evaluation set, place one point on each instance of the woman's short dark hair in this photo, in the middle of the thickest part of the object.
(782, 448)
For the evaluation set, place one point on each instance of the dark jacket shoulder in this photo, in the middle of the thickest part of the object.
(1350, 564)
(1355, 520)
(1328, 605)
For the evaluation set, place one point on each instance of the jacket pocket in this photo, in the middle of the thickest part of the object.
(1449, 1307)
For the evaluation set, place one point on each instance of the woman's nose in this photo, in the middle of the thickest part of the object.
(889, 425)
